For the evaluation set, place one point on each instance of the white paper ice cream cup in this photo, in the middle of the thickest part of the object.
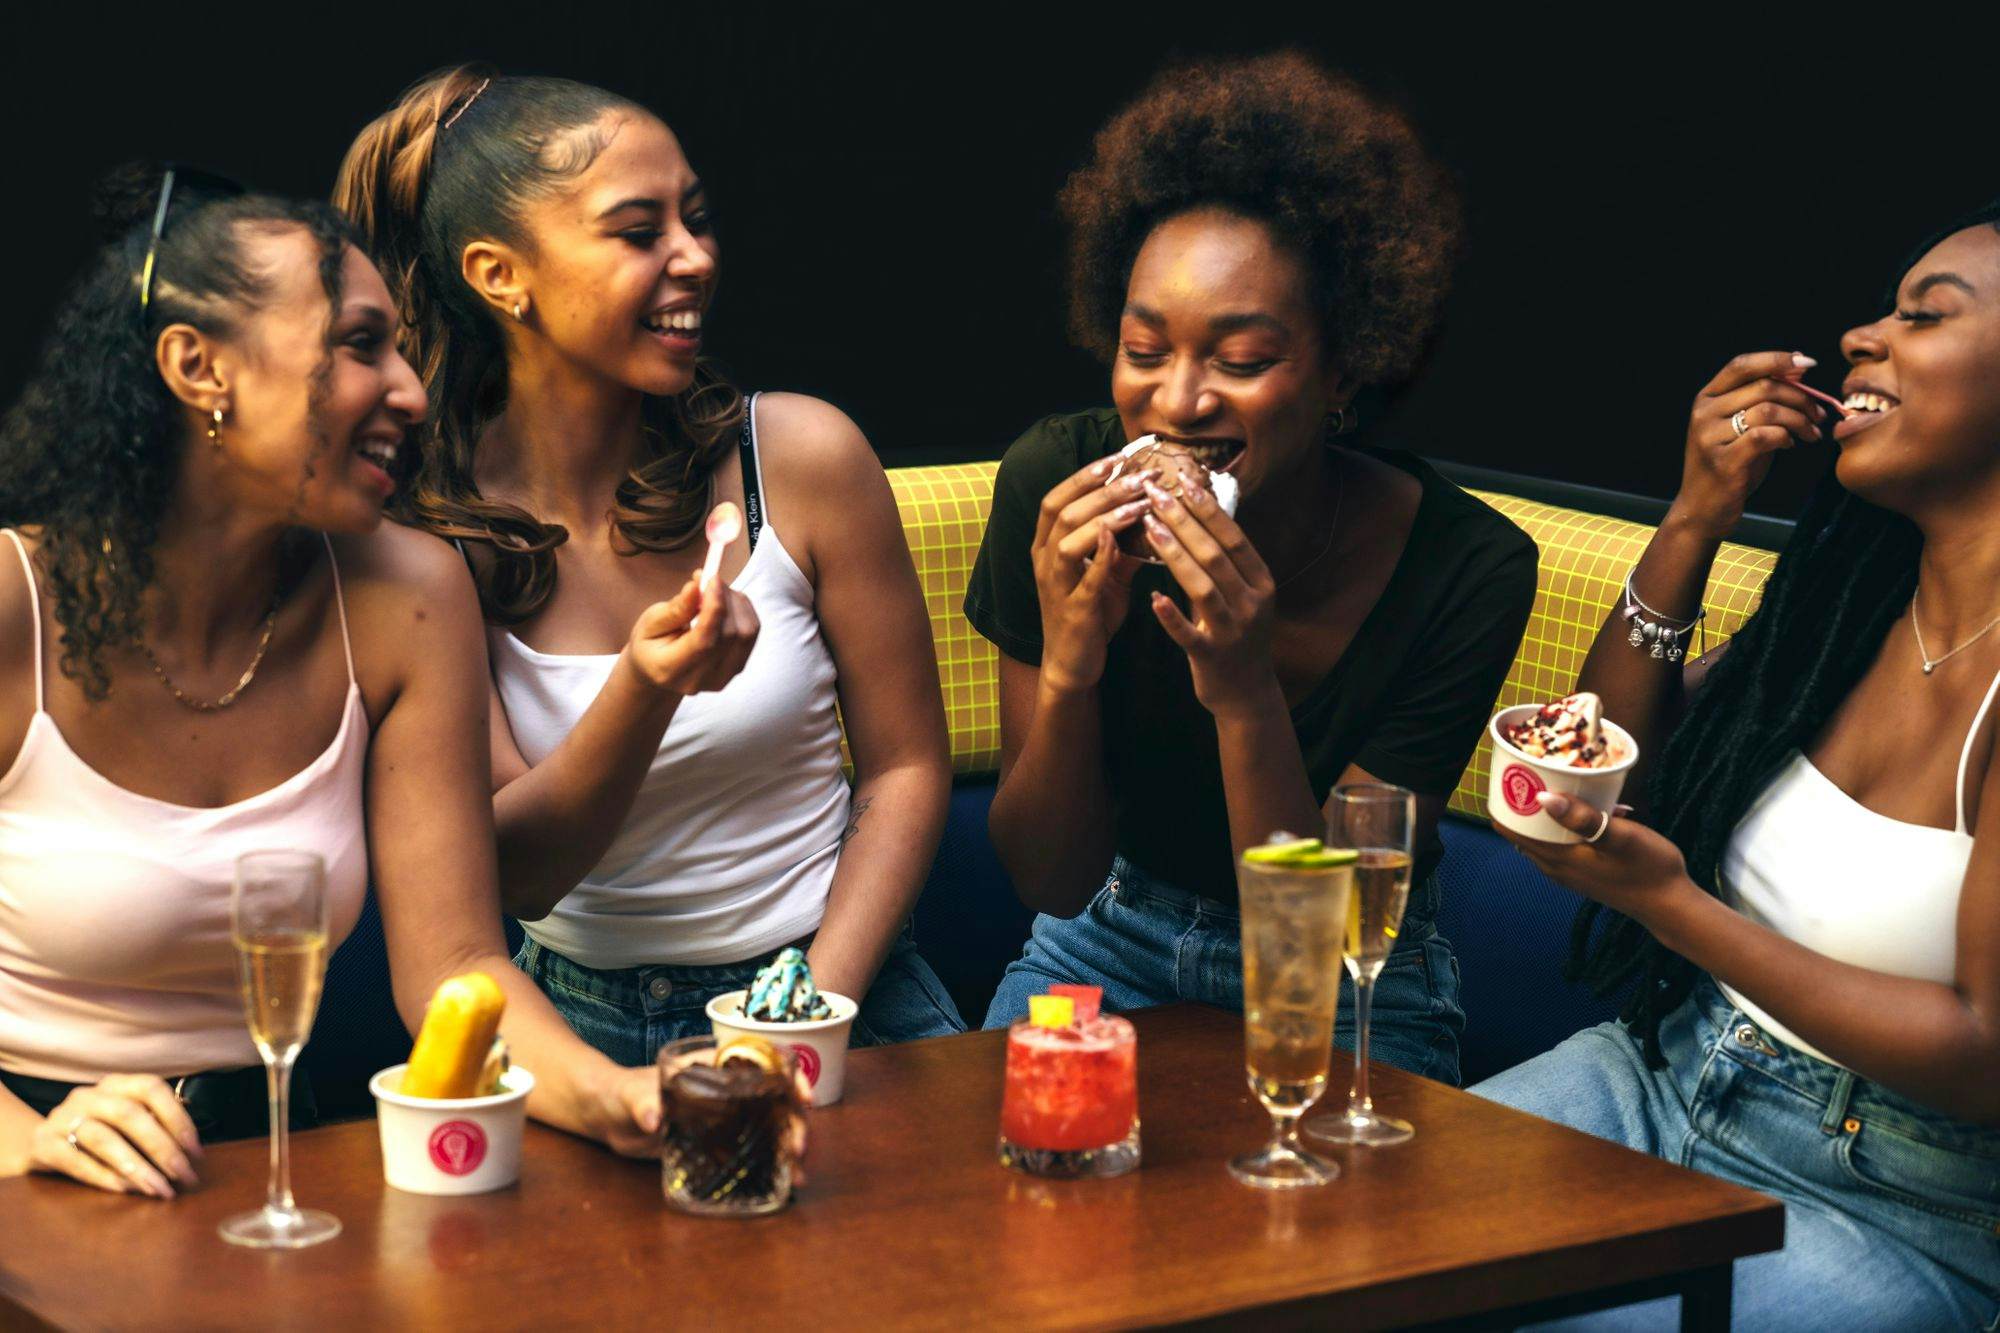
(1517, 779)
(451, 1145)
(820, 1044)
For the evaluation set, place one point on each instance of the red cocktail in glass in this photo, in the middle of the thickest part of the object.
(1071, 1104)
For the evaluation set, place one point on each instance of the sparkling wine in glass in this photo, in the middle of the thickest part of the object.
(1294, 923)
(1379, 822)
(278, 918)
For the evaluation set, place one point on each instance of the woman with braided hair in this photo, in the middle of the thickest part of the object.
(667, 766)
(1810, 925)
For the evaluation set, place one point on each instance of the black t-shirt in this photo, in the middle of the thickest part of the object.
(1407, 701)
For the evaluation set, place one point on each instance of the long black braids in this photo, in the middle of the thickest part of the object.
(1842, 581)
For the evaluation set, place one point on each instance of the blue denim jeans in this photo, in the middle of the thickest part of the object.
(1146, 942)
(630, 1012)
(1892, 1211)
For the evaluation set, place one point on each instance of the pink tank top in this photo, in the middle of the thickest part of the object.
(115, 955)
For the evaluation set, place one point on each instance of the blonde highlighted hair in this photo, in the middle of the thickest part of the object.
(454, 160)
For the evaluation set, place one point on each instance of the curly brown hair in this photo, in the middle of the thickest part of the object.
(92, 451)
(1338, 176)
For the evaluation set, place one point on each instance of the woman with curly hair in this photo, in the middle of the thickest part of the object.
(555, 256)
(1250, 245)
(1807, 922)
(213, 645)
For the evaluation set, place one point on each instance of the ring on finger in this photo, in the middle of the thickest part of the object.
(1738, 421)
(1603, 823)
(70, 1137)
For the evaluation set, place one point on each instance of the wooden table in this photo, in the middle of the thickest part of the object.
(907, 1221)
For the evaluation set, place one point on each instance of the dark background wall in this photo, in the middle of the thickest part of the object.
(1642, 204)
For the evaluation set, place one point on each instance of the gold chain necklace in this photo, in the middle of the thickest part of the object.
(1933, 663)
(249, 673)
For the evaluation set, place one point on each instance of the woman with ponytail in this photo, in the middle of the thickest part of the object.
(554, 257)
(1808, 921)
(211, 644)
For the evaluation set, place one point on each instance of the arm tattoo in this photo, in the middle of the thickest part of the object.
(854, 819)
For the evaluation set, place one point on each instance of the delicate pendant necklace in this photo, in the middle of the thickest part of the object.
(1333, 532)
(249, 672)
(1932, 663)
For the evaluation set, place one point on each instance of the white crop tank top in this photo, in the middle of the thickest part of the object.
(115, 953)
(730, 846)
(1817, 866)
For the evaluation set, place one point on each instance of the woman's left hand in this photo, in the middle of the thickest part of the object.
(1230, 592)
(1630, 868)
(626, 1116)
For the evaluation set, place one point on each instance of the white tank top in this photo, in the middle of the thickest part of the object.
(1817, 866)
(115, 954)
(730, 846)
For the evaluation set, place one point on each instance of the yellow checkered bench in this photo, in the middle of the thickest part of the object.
(1584, 561)
(1508, 924)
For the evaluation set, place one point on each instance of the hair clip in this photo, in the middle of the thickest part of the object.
(462, 106)
(153, 245)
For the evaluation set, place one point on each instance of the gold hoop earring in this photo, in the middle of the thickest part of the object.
(1344, 422)
(215, 428)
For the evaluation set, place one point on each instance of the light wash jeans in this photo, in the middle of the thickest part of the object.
(630, 1012)
(1146, 942)
(1892, 1211)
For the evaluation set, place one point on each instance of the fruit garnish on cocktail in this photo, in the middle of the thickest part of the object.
(1087, 999)
(1070, 1104)
(733, 1124)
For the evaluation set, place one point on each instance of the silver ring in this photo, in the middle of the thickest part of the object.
(1736, 420)
(1603, 823)
(70, 1138)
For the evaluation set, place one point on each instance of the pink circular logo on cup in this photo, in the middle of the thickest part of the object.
(808, 1061)
(458, 1147)
(1520, 785)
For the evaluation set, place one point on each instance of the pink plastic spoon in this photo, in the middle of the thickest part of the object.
(1826, 398)
(725, 525)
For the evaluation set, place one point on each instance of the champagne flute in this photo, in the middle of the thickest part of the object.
(277, 912)
(1294, 917)
(1379, 822)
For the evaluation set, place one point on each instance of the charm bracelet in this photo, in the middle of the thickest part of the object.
(1661, 636)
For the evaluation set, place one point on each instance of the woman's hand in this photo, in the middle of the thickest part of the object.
(1084, 582)
(1723, 466)
(1629, 868)
(695, 642)
(626, 1116)
(126, 1133)
(1230, 591)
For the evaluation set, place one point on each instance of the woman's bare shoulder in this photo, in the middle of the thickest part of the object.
(17, 647)
(405, 560)
(828, 492)
(810, 438)
(408, 591)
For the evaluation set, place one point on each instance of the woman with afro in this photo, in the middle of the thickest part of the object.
(1251, 244)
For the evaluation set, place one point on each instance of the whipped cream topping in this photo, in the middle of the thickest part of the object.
(783, 992)
(1569, 731)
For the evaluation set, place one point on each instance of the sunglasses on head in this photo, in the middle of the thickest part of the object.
(189, 180)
